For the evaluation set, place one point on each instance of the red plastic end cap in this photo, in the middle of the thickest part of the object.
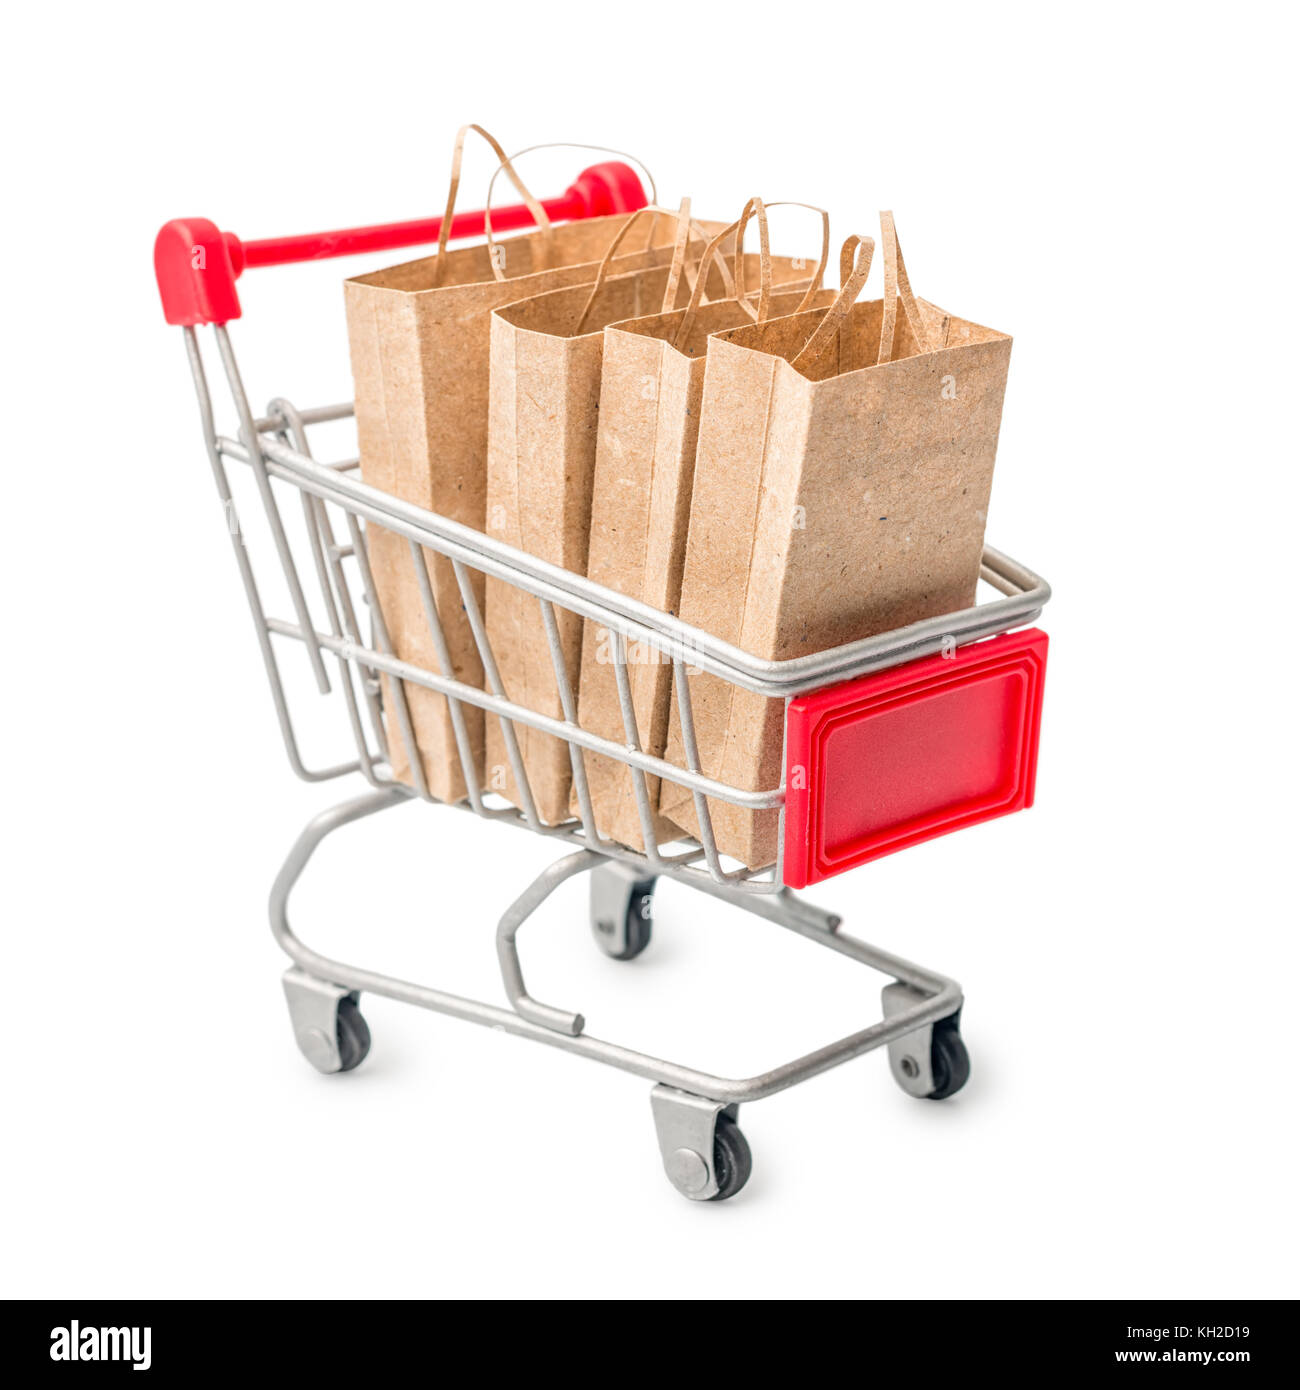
(886, 761)
(606, 188)
(196, 265)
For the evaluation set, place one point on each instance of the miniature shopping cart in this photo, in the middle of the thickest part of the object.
(888, 741)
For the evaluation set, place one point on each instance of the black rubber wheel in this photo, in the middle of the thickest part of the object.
(638, 929)
(353, 1035)
(949, 1060)
(732, 1160)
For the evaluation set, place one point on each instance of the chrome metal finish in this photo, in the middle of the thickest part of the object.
(570, 709)
(253, 444)
(642, 623)
(314, 1013)
(563, 1029)
(909, 1055)
(470, 600)
(238, 545)
(444, 660)
(517, 914)
(380, 627)
(640, 790)
(615, 892)
(685, 1126)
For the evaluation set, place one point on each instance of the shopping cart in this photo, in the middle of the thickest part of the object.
(888, 741)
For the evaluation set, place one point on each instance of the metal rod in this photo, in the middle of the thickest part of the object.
(312, 415)
(691, 752)
(367, 675)
(434, 624)
(511, 713)
(397, 686)
(245, 567)
(488, 658)
(640, 791)
(252, 441)
(943, 995)
(512, 975)
(641, 622)
(568, 707)
(319, 536)
(778, 871)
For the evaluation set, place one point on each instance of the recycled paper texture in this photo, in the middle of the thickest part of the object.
(651, 388)
(419, 339)
(842, 478)
(546, 360)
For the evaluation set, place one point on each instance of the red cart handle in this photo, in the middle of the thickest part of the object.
(197, 264)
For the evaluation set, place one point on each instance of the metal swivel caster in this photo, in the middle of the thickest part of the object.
(705, 1154)
(930, 1063)
(622, 906)
(327, 1024)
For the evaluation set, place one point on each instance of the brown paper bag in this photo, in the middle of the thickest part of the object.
(545, 388)
(842, 478)
(545, 385)
(418, 335)
(652, 382)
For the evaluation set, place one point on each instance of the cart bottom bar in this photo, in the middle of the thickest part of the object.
(925, 997)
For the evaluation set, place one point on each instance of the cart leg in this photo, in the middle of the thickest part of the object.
(931, 1061)
(622, 901)
(705, 1155)
(327, 1024)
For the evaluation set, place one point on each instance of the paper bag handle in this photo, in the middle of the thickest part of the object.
(555, 145)
(697, 291)
(674, 270)
(897, 285)
(855, 266)
(753, 207)
(537, 210)
(816, 280)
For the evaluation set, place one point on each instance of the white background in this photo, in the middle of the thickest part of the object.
(1112, 185)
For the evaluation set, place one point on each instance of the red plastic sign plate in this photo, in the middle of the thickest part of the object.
(888, 760)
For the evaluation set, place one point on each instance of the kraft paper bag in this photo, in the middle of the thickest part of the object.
(546, 357)
(545, 386)
(418, 335)
(652, 382)
(842, 478)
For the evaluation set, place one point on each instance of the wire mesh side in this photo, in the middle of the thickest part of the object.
(632, 736)
(325, 554)
(569, 708)
(691, 753)
(492, 673)
(384, 641)
(455, 709)
(377, 657)
(263, 626)
(377, 684)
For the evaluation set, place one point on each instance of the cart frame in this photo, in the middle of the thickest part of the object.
(704, 1154)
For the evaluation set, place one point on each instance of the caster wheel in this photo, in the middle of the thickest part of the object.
(636, 926)
(353, 1035)
(732, 1160)
(949, 1060)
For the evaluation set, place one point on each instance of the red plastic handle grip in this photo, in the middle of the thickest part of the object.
(197, 265)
